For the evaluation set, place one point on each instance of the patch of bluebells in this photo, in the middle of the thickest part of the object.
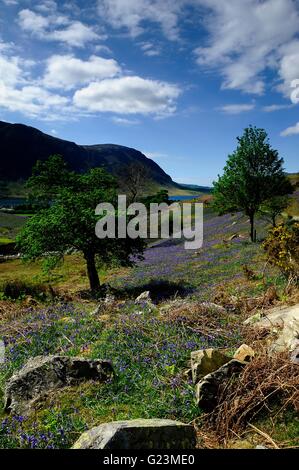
(169, 261)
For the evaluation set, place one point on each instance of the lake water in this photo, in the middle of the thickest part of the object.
(17, 201)
(12, 202)
(183, 198)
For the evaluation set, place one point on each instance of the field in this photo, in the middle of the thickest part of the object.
(149, 349)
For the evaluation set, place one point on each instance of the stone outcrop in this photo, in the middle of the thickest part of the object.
(205, 361)
(244, 353)
(207, 388)
(42, 374)
(139, 434)
(283, 321)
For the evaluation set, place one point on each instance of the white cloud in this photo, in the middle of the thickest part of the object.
(31, 100)
(125, 121)
(293, 130)
(245, 38)
(276, 107)
(131, 14)
(150, 49)
(289, 67)
(156, 155)
(46, 6)
(236, 108)
(76, 34)
(10, 71)
(33, 22)
(128, 95)
(10, 2)
(55, 27)
(67, 71)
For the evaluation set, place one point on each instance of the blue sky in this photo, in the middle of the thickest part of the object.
(176, 79)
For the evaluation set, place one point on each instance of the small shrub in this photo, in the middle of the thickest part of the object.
(18, 290)
(282, 249)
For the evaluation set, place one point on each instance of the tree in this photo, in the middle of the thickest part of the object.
(272, 208)
(68, 223)
(134, 178)
(159, 198)
(253, 175)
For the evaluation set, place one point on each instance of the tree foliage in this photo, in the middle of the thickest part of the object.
(68, 223)
(282, 249)
(253, 175)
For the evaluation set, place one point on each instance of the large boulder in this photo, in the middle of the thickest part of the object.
(205, 361)
(282, 320)
(207, 388)
(139, 434)
(44, 373)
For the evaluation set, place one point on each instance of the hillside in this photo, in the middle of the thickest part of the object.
(21, 146)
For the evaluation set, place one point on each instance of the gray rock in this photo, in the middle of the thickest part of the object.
(44, 373)
(139, 434)
(144, 297)
(205, 361)
(281, 320)
(207, 388)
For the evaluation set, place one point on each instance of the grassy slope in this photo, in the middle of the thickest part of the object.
(148, 351)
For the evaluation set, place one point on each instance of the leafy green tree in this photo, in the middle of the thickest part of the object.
(68, 223)
(158, 198)
(253, 175)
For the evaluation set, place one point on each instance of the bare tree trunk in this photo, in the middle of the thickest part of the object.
(92, 272)
(252, 231)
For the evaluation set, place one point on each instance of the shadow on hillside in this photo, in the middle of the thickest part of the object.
(159, 289)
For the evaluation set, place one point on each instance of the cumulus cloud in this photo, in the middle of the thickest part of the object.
(293, 130)
(10, 70)
(128, 95)
(18, 92)
(55, 27)
(236, 108)
(131, 15)
(244, 38)
(247, 37)
(31, 100)
(67, 71)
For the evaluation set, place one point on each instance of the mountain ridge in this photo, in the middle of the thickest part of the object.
(21, 146)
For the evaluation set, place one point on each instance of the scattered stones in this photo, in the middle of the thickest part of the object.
(205, 361)
(244, 353)
(139, 434)
(144, 297)
(207, 388)
(109, 299)
(284, 321)
(44, 373)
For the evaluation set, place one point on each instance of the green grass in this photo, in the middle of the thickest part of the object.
(149, 355)
(5, 241)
